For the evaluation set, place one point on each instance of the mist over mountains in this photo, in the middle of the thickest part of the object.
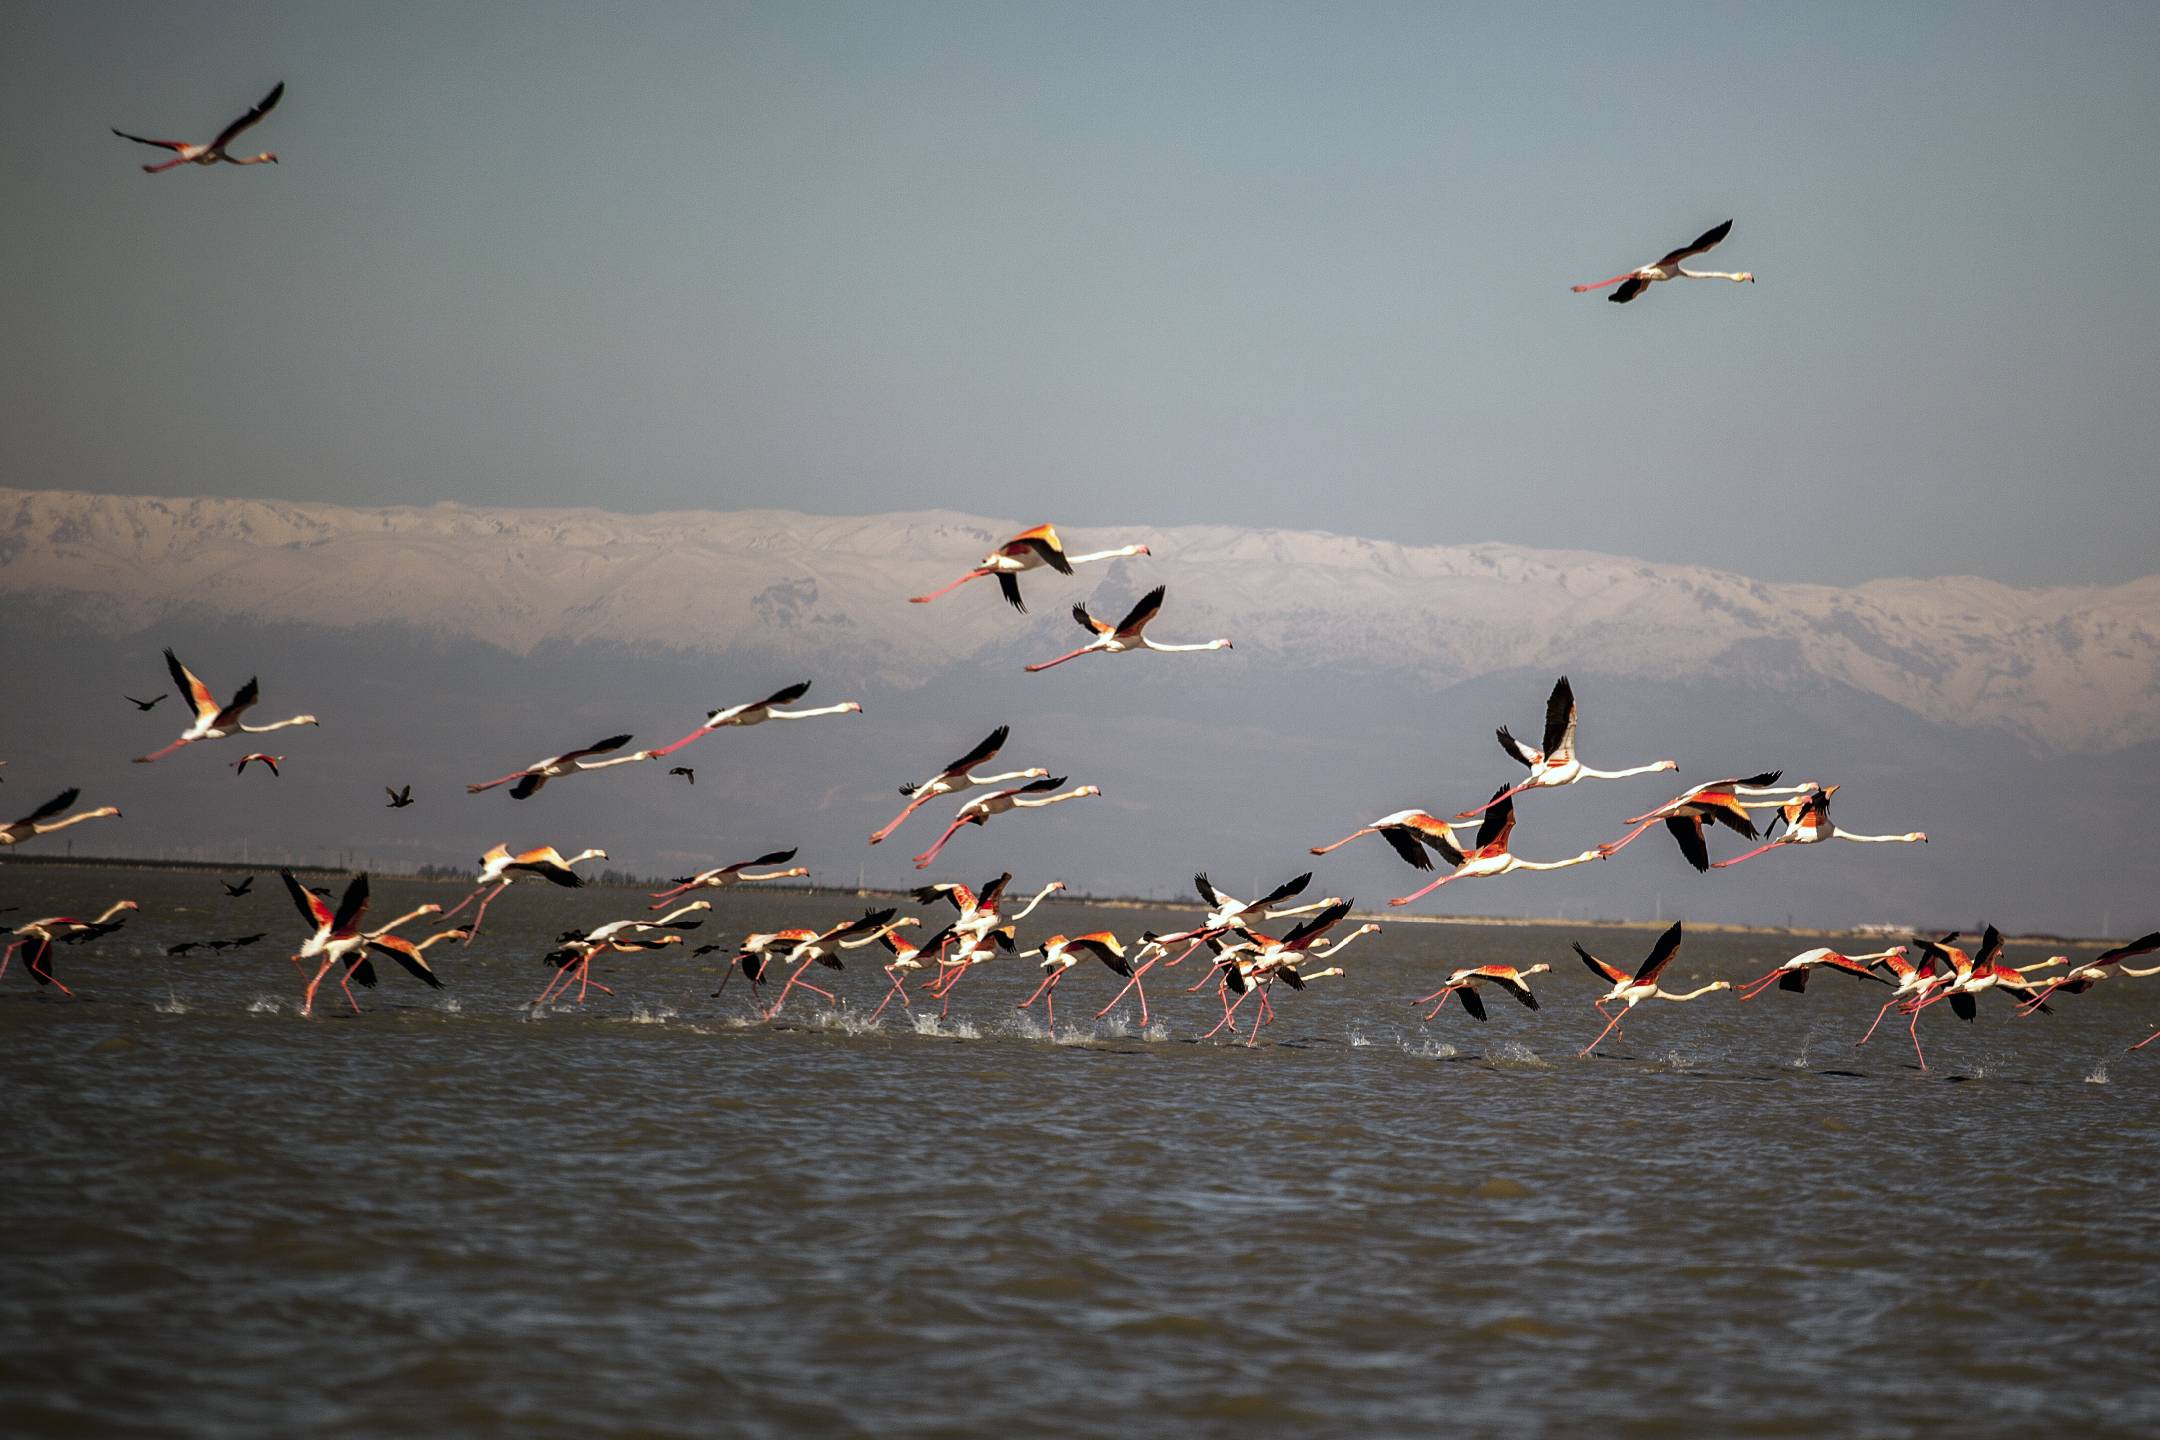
(448, 644)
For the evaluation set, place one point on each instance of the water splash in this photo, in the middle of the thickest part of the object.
(1426, 1048)
(264, 1005)
(847, 1022)
(2098, 1075)
(172, 1004)
(1356, 1038)
(648, 1015)
(944, 1029)
(451, 1005)
(1514, 1052)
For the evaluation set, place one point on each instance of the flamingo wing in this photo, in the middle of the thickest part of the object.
(1207, 891)
(985, 750)
(1009, 587)
(313, 912)
(243, 700)
(408, 955)
(777, 857)
(1661, 954)
(2143, 945)
(989, 896)
(1293, 886)
(51, 807)
(1404, 842)
(1312, 926)
(1498, 820)
(1043, 540)
(1088, 622)
(262, 107)
(1612, 974)
(598, 747)
(1560, 720)
(1137, 618)
(1507, 979)
(1629, 288)
(1527, 757)
(783, 697)
(1471, 1002)
(1687, 829)
(145, 140)
(198, 694)
(353, 905)
(1705, 241)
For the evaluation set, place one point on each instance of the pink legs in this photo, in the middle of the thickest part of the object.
(1612, 1024)
(2146, 1041)
(897, 989)
(1755, 987)
(1749, 854)
(481, 913)
(1441, 995)
(38, 961)
(975, 574)
(1047, 993)
(795, 980)
(1425, 890)
(922, 861)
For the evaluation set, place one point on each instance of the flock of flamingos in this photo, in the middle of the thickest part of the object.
(1244, 963)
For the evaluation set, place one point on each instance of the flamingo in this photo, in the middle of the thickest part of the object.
(1793, 974)
(1128, 634)
(570, 762)
(821, 947)
(907, 959)
(958, 953)
(1631, 990)
(1725, 801)
(1489, 854)
(1465, 982)
(720, 877)
(399, 799)
(270, 761)
(615, 935)
(334, 935)
(1225, 913)
(757, 712)
(41, 822)
(976, 915)
(36, 940)
(958, 776)
(2080, 978)
(1914, 981)
(1556, 765)
(1634, 282)
(1970, 974)
(1270, 960)
(412, 957)
(1807, 822)
(1028, 550)
(1032, 796)
(150, 704)
(1060, 953)
(498, 867)
(214, 152)
(213, 721)
(1409, 833)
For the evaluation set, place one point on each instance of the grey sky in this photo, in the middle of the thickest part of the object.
(1289, 266)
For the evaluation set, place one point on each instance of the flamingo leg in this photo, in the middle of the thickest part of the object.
(2146, 1041)
(922, 861)
(1508, 794)
(1601, 1035)
(1755, 987)
(1878, 1020)
(1131, 984)
(1049, 982)
(975, 574)
(43, 971)
(161, 754)
(481, 913)
(1068, 655)
(8, 955)
(1424, 890)
(1600, 284)
(1750, 854)
(1915, 1031)
(1329, 849)
(307, 1002)
(878, 837)
(1442, 993)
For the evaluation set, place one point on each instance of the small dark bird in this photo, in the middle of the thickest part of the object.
(182, 948)
(236, 891)
(399, 799)
(686, 772)
(142, 704)
(219, 945)
(706, 950)
(243, 941)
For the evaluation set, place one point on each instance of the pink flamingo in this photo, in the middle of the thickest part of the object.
(1489, 854)
(1032, 796)
(1793, 974)
(1634, 282)
(41, 822)
(738, 873)
(757, 712)
(1028, 550)
(1628, 991)
(1727, 802)
(269, 762)
(1409, 833)
(2080, 978)
(212, 720)
(39, 935)
(1127, 635)
(214, 153)
(1556, 764)
(956, 777)
(1807, 822)
(1465, 982)
(498, 867)
(1059, 954)
(571, 762)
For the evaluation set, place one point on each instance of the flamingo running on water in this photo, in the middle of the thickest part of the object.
(1028, 550)
(1465, 982)
(577, 950)
(1489, 854)
(570, 762)
(1409, 833)
(212, 720)
(1060, 953)
(1725, 801)
(1914, 980)
(41, 822)
(1225, 913)
(37, 937)
(1255, 970)
(1556, 764)
(757, 712)
(214, 153)
(1807, 822)
(819, 947)
(1793, 974)
(907, 959)
(721, 877)
(498, 867)
(2080, 978)
(1631, 990)
(1127, 635)
(1634, 282)
(1034, 795)
(957, 777)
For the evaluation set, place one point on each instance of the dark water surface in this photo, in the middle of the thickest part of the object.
(651, 1215)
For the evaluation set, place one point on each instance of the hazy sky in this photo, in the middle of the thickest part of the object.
(1296, 266)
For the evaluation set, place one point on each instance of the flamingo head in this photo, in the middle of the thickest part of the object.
(1919, 835)
(1086, 790)
(1668, 764)
(1142, 550)
(1222, 645)
(304, 720)
(1035, 772)
(267, 157)
(1720, 985)
(851, 708)
(1748, 275)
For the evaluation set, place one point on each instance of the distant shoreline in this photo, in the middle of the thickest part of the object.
(1100, 902)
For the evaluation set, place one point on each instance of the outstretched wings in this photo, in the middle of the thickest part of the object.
(1708, 239)
(1661, 954)
(1137, 618)
(1560, 720)
(262, 107)
(983, 752)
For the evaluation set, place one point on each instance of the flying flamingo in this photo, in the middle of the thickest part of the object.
(1793, 974)
(907, 959)
(214, 152)
(1556, 765)
(1032, 796)
(1060, 953)
(822, 947)
(2080, 978)
(39, 935)
(578, 950)
(1028, 550)
(1914, 981)
(1270, 960)
(412, 957)
(1727, 802)
(271, 762)
(1128, 634)
(214, 721)
(41, 822)
(1634, 282)
(757, 712)
(1465, 982)
(1489, 854)
(958, 776)
(1408, 833)
(334, 935)
(1977, 974)
(1631, 990)
(1807, 822)
(498, 867)
(570, 762)
(738, 873)
(1225, 913)
(977, 914)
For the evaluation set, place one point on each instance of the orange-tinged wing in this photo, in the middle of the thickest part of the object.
(198, 694)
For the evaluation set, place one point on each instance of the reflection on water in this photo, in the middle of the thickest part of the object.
(655, 1215)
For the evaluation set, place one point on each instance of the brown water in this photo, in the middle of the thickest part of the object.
(653, 1215)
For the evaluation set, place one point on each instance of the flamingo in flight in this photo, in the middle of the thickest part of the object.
(1915, 980)
(269, 762)
(1465, 982)
(1488, 854)
(215, 152)
(1034, 795)
(498, 867)
(907, 958)
(1807, 822)
(1225, 913)
(958, 776)
(1409, 833)
(1726, 802)
(1793, 974)
(1128, 634)
(1628, 991)
(722, 876)
(410, 956)
(1254, 971)
(334, 935)
(1634, 282)
(36, 940)
(957, 954)
(1028, 550)
(212, 720)
(41, 822)
(1973, 975)
(570, 762)
(1556, 765)
(2080, 978)
(820, 947)
(578, 950)
(1060, 953)
(976, 914)
(757, 712)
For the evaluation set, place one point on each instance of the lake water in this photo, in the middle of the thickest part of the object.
(654, 1215)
